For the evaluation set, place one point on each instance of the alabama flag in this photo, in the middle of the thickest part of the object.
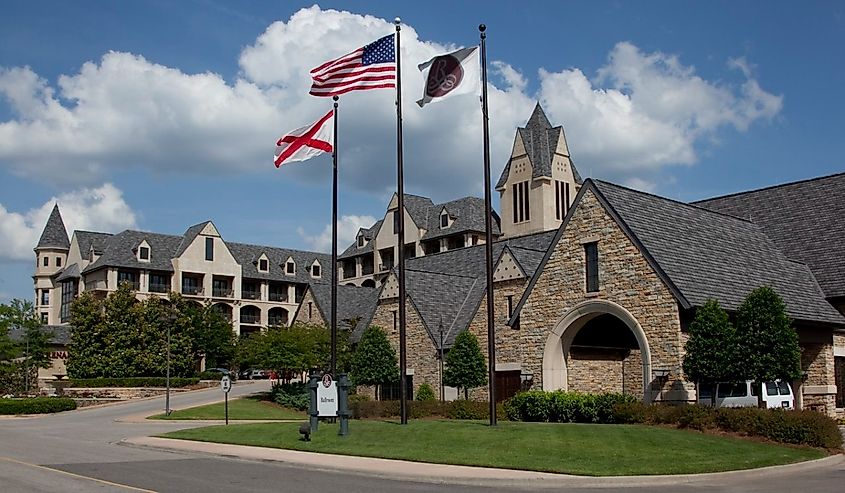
(306, 142)
(453, 73)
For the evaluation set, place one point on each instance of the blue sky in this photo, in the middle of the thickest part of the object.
(157, 115)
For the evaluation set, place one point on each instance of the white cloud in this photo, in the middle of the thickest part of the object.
(94, 209)
(347, 228)
(641, 113)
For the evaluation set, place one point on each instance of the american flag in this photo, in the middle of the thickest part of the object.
(370, 67)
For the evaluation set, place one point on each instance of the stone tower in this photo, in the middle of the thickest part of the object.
(540, 181)
(50, 258)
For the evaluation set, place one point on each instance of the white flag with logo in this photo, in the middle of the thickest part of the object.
(453, 73)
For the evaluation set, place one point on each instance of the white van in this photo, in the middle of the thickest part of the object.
(744, 394)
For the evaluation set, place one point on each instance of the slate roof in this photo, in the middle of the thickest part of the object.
(540, 140)
(119, 251)
(466, 213)
(701, 254)
(448, 287)
(369, 233)
(54, 234)
(87, 239)
(248, 255)
(805, 219)
(352, 302)
(60, 334)
(188, 237)
(69, 272)
(418, 208)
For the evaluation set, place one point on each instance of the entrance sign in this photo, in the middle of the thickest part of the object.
(327, 396)
(225, 384)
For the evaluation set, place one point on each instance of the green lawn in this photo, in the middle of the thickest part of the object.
(594, 450)
(246, 408)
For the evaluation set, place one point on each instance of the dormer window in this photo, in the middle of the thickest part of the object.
(361, 240)
(263, 265)
(144, 254)
(444, 220)
(290, 268)
(315, 270)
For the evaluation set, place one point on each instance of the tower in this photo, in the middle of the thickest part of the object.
(539, 181)
(50, 258)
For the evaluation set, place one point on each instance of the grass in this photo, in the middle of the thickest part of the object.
(245, 408)
(593, 450)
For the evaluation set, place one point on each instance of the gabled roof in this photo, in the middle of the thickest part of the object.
(804, 219)
(248, 255)
(188, 238)
(69, 272)
(467, 215)
(369, 233)
(54, 234)
(88, 239)
(541, 141)
(700, 254)
(417, 208)
(119, 251)
(353, 302)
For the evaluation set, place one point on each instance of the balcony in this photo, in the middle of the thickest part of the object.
(251, 295)
(192, 290)
(277, 321)
(97, 286)
(221, 292)
(159, 288)
(250, 319)
(133, 285)
(279, 296)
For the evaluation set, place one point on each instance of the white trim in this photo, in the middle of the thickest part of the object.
(819, 389)
(839, 351)
(508, 366)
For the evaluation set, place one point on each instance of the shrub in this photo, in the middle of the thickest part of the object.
(798, 427)
(132, 382)
(37, 405)
(425, 393)
(463, 409)
(291, 395)
(696, 417)
(565, 407)
(629, 413)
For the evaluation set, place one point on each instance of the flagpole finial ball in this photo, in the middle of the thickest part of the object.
(335, 97)
(397, 21)
(482, 27)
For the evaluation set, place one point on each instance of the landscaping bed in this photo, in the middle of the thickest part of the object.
(36, 405)
(249, 408)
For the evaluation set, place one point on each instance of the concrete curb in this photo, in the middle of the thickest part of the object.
(466, 475)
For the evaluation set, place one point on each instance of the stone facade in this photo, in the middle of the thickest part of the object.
(308, 311)
(626, 279)
(817, 362)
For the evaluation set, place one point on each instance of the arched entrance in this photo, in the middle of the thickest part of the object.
(600, 338)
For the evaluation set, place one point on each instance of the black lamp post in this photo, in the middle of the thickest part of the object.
(169, 320)
(442, 388)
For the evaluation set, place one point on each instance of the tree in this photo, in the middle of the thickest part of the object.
(374, 361)
(21, 358)
(711, 350)
(87, 349)
(465, 366)
(767, 342)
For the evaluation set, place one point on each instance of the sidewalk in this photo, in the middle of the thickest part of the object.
(478, 476)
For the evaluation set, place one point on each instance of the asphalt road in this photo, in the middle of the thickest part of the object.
(79, 452)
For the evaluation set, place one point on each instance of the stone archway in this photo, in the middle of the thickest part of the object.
(555, 375)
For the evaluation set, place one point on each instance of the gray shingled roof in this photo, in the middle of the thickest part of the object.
(369, 233)
(69, 272)
(701, 254)
(188, 237)
(60, 334)
(119, 251)
(541, 141)
(248, 255)
(711, 255)
(54, 234)
(466, 213)
(418, 208)
(804, 219)
(448, 287)
(352, 302)
(87, 239)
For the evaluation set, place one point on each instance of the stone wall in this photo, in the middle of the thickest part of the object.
(625, 278)
(818, 389)
(302, 315)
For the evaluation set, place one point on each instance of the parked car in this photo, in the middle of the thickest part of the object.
(245, 374)
(259, 375)
(744, 394)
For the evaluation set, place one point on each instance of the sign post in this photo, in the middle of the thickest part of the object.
(226, 386)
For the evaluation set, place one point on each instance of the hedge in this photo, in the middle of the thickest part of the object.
(564, 407)
(291, 395)
(132, 382)
(36, 405)
(796, 427)
(458, 409)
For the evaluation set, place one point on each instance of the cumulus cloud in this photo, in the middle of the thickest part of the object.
(347, 229)
(639, 113)
(94, 209)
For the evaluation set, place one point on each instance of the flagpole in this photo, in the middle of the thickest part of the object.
(488, 223)
(400, 234)
(333, 366)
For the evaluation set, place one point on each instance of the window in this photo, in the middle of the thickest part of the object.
(394, 320)
(515, 325)
(46, 261)
(310, 305)
(315, 270)
(144, 253)
(68, 294)
(360, 241)
(209, 248)
(591, 252)
(44, 317)
(58, 261)
(159, 283)
(444, 220)
(290, 268)
(190, 285)
(45, 296)
(521, 208)
(561, 199)
(263, 265)
(771, 388)
(732, 390)
(127, 276)
(390, 392)
(395, 221)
